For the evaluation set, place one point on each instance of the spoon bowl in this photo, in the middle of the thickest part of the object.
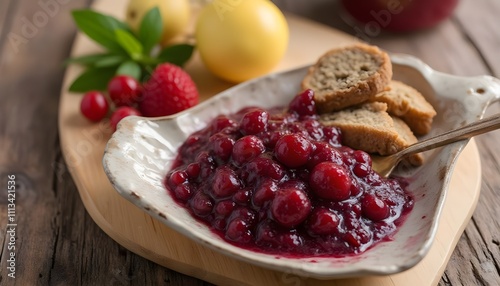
(384, 165)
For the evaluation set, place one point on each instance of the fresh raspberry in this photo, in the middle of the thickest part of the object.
(124, 90)
(169, 90)
(94, 105)
(120, 113)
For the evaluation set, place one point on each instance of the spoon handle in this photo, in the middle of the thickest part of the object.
(462, 133)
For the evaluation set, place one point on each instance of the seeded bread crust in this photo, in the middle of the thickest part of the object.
(409, 104)
(347, 76)
(370, 128)
(408, 138)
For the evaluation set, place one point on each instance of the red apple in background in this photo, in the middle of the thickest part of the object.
(399, 15)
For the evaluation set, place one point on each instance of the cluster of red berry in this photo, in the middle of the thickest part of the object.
(168, 91)
(279, 181)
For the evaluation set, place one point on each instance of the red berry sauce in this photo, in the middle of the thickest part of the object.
(277, 181)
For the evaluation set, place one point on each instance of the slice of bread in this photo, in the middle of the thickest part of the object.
(347, 76)
(370, 128)
(408, 138)
(409, 104)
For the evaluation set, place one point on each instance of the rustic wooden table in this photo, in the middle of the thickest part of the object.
(56, 240)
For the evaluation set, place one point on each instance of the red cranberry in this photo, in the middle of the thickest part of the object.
(193, 170)
(177, 178)
(224, 208)
(293, 150)
(362, 157)
(238, 231)
(207, 164)
(374, 208)
(122, 112)
(193, 139)
(333, 135)
(242, 197)
(324, 152)
(290, 240)
(264, 193)
(246, 110)
(247, 148)
(275, 136)
(303, 103)
(225, 182)
(245, 214)
(295, 184)
(290, 207)
(221, 122)
(267, 234)
(124, 90)
(222, 146)
(355, 188)
(361, 170)
(313, 128)
(183, 192)
(298, 129)
(323, 221)
(357, 237)
(201, 204)
(219, 224)
(262, 167)
(363, 163)
(254, 122)
(94, 106)
(330, 181)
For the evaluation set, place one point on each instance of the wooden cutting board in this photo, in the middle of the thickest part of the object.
(83, 146)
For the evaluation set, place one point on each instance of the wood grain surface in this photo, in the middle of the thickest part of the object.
(56, 237)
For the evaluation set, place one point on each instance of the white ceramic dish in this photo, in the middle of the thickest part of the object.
(141, 151)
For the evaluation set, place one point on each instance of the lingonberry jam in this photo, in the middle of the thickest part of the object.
(278, 181)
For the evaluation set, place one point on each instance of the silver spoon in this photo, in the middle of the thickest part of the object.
(385, 164)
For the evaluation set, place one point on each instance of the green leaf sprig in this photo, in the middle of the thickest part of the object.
(127, 52)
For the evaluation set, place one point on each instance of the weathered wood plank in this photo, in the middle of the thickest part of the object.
(58, 241)
(482, 26)
(481, 244)
(5, 19)
(28, 136)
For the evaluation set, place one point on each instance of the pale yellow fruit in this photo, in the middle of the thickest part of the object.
(175, 15)
(241, 39)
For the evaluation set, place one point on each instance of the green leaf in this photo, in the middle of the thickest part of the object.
(129, 43)
(151, 29)
(87, 59)
(176, 54)
(97, 60)
(93, 79)
(112, 60)
(99, 27)
(130, 68)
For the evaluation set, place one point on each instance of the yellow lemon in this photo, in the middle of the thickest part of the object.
(241, 39)
(174, 13)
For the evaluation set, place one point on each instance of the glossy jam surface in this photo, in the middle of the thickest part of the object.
(278, 181)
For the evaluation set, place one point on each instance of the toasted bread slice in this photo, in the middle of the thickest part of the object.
(409, 104)
(370, 128)
(347, 76)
